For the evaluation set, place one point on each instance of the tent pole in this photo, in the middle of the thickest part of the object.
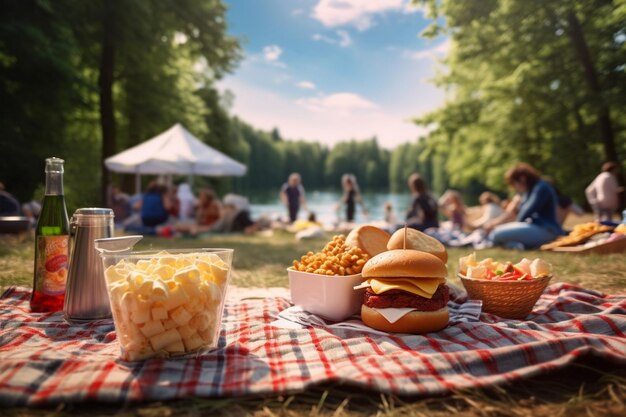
(137, 182)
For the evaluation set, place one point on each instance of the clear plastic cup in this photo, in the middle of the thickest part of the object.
(167, 303)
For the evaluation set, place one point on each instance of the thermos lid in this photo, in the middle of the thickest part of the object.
(94, 211)
(92, 216)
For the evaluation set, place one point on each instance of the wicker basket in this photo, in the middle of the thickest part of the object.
(508, 299)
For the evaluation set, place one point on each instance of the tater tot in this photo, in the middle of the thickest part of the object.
(334, 259)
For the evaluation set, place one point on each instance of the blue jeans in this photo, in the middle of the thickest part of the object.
(521, 235)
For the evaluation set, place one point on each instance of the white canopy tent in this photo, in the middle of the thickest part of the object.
(175, 151)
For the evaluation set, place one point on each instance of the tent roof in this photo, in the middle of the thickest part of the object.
(175, 151)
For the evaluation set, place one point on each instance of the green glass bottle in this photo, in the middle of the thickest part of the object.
(51, 244)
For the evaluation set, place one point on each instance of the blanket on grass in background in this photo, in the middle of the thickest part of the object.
(44, 360)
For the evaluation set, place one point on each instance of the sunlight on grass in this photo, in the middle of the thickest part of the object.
(261, 260)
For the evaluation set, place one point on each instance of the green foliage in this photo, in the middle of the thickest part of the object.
(39, 79)
(305, 158)
(411, 158)
(167, 55)
(519, 90)
(365, 159)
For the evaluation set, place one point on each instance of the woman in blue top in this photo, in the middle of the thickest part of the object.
(155, 205)
(536, 220)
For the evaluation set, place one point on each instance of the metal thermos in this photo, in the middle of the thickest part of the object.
(86, 296)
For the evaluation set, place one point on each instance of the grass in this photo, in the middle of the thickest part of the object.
(587, 388)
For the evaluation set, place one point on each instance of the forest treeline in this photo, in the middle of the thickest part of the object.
(535, 81)
(270, 159)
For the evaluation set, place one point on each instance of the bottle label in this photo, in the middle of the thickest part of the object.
(52, 263)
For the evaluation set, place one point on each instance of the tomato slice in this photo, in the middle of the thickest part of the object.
(509, 276)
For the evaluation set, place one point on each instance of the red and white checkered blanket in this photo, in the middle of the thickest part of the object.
(44, 360)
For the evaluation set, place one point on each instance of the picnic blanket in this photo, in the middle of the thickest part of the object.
(44, 360)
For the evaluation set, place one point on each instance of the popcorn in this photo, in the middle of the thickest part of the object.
(167, 305)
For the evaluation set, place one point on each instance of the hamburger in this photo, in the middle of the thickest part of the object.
(406, 292)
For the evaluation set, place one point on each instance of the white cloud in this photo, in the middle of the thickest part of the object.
(337, 117)
(410, 8)
(358, 13)
(318, 37)
(343, 38)
(438, 51)
(272, 53)
(307, 85)
(338, 102)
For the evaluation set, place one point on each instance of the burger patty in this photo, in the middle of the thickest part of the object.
(403, 299)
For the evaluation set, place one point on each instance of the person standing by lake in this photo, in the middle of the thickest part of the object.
(292, 196)
(424, 208)
(351, 196)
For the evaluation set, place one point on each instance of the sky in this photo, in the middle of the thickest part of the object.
(334, 70)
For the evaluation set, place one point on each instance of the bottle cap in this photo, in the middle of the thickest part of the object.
(54, 164)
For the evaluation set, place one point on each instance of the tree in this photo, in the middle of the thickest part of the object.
(535, 81)
(199, 24)
(128, 69)
(39, 91)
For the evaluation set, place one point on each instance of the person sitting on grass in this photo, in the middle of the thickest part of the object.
(491, 209)
(234, 217)
(536, 222)
(452, 206)
(424, 207)
(155, 205)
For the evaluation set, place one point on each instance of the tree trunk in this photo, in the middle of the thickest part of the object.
(105, 85)
(579, 43)
(604, 117)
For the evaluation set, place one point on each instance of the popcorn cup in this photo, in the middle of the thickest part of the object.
(167, 303)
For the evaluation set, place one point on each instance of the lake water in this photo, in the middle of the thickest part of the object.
(324, 205)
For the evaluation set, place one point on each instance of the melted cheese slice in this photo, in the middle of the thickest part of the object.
(392, 315)
(424, 287)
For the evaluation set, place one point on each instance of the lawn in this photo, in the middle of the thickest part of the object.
(589, 387)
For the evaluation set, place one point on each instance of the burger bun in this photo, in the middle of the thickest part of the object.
(418, 241)
(404, 263)
(370, 239)
(415, 322)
